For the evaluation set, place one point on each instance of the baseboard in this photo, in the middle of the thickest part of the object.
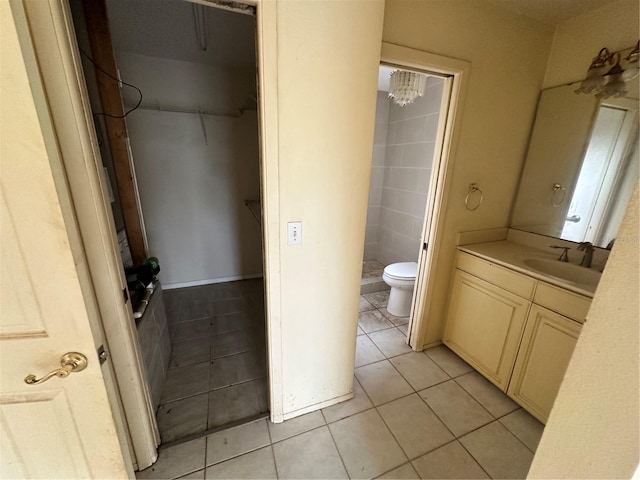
(426, 346)
(317, 406)
(209, 281)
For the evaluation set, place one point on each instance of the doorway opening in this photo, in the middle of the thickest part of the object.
(404, 172)
(190, 102)
(607, 176)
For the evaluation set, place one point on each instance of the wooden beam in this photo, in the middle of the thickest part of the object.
(109, 89)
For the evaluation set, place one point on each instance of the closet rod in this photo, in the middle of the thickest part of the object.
(184, 110)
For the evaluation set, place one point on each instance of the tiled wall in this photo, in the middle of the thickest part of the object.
(155, 343)
(400, 180)
(377, 176)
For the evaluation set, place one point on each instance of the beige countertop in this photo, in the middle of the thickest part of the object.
(513, 255)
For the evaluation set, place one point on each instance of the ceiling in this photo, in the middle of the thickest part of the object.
(552, 12)
(166, 29)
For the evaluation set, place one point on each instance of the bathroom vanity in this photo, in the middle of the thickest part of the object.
(516, 323)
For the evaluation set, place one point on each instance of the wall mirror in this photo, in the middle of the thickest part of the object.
(581, 167)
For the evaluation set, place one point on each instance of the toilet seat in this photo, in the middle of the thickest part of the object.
(402, 271)
(401, 277)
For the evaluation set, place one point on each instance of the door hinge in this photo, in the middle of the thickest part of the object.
(102, 354)
(425, 246)
(125, 294)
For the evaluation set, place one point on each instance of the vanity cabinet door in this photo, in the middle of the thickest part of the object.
(544, 355)
(484, 326)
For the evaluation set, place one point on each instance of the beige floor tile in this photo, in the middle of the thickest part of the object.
(524, 426)
(419, 370)
(365, 305)
(289, 428)
(405, 472)
(455, 407)
(453, 365)
(258, 464)
(382, 382)
(182, 417)
(366, 351)
(378, 299)
(487, 394)
(199, 475)
(185, 382)
(234, 403)
(450, 461)
(357, 404)
(177, 460)
(372, 321)
(309, 455)
(366, 445)
(360, 331)
(499, 453)
(404, 329)
(397, 321)
(236, 441)
(371, 265)
(414, 425)
(391, 342)
(190, 352)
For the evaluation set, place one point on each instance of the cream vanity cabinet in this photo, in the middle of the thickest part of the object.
(515, 330)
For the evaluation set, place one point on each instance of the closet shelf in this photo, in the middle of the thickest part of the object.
(255, 209)
(160, 108)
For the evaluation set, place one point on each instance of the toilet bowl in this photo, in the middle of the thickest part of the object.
(401, 277)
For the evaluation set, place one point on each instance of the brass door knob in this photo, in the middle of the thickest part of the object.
(71, 362)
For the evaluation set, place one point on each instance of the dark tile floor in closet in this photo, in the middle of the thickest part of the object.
(217, 371)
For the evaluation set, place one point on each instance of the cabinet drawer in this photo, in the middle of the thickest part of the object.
(566, 303)
(509, 280)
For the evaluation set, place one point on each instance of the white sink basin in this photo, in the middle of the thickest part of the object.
(565, 271)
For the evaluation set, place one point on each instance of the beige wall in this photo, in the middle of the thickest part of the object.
(579, 40)
(508, 55)
(593, 428)
(328, 57)
(377, 176)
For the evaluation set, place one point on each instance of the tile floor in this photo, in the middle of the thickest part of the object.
(372, 277)
(217, 369)
(414, 415)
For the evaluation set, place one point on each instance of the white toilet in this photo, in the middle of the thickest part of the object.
(401, 277)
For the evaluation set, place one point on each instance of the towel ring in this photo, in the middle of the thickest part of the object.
(557, 188)
(473, 188)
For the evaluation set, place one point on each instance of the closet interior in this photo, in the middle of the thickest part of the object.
(173, 94)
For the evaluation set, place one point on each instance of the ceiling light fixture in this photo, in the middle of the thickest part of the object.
(405, 87)
(606, 76)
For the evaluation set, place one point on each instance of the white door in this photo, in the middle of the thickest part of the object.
(62, 428)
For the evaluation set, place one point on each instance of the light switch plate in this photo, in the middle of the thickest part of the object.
(294, 233)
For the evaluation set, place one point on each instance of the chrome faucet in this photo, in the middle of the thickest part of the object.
(588, 254)
(564, 257)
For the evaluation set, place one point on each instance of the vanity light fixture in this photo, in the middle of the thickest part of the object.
(632, 64)
(405, 87)
(595, 75)
(606, 76)
(614, 85)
